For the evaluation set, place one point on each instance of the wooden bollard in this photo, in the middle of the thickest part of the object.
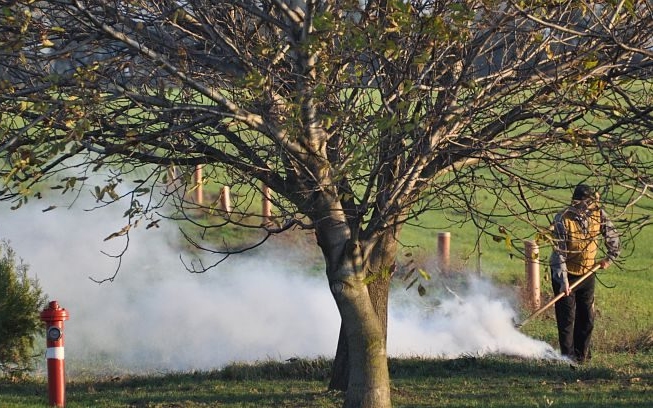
(532, 260)
(266, 204)
(199, 195)
(171, 174)
(171, 179)
(225, 200)
(444, 239)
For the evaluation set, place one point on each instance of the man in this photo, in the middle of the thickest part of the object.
(576, 232)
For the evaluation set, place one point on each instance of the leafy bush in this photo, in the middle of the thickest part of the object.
(21, 300)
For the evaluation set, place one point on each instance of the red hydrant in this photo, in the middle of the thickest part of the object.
(54, 316)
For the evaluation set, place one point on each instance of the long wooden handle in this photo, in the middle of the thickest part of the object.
(559, 296)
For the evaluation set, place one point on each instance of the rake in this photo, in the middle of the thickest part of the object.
(558, 297)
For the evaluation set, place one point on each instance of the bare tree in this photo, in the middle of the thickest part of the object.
(358, 115)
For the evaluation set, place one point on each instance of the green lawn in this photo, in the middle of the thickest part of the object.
(609, 381)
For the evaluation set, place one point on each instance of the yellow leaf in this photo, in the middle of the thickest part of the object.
(508, 242)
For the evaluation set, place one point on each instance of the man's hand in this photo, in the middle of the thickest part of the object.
(604, 263)
(565, 287)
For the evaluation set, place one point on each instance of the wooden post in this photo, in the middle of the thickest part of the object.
(532, 259)
(171, 174)
(266, 204)
(225, 200)
(171, 179)
(199, 196)
(444, 239)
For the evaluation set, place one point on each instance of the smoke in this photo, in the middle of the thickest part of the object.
(259, 306)
(478, 321)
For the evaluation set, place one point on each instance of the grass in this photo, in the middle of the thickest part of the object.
(617, 380)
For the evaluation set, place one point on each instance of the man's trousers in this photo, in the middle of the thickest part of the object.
(575, 318)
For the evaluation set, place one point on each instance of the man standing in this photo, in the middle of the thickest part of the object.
(576, 232)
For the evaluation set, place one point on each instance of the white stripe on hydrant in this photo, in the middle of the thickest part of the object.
(55, 353)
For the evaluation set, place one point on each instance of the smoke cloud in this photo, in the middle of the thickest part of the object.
(155, 316)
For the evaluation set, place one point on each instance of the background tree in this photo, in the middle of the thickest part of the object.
(358, 115)
(21, 300)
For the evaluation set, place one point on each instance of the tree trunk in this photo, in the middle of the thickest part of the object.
(340, 368)
(376, 267)
(353, 268)
(378, 290)
(368, 383)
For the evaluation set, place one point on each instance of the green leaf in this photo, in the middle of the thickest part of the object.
(589, 64)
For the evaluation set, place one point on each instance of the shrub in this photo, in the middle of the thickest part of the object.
(21, 300)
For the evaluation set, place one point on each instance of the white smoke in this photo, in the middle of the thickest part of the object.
(476, 322)
(253, 307)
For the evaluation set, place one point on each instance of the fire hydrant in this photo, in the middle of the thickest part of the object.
(54, 316)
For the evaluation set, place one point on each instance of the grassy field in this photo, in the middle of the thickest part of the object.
(615, 380)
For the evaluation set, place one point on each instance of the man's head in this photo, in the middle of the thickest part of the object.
(583, 192)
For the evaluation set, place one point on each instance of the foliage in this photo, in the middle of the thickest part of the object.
(422, 105)
(21, 300)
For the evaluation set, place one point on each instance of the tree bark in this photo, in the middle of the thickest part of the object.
(340, 368)
(378, 265)
(368, 384)
(347, 268)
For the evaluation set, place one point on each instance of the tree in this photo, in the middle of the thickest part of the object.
(358, 115)
(21, 300)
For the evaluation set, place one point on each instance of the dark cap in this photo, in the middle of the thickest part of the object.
(582, 192)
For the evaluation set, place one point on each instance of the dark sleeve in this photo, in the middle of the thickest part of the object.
(611, 237)
(558, 261)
